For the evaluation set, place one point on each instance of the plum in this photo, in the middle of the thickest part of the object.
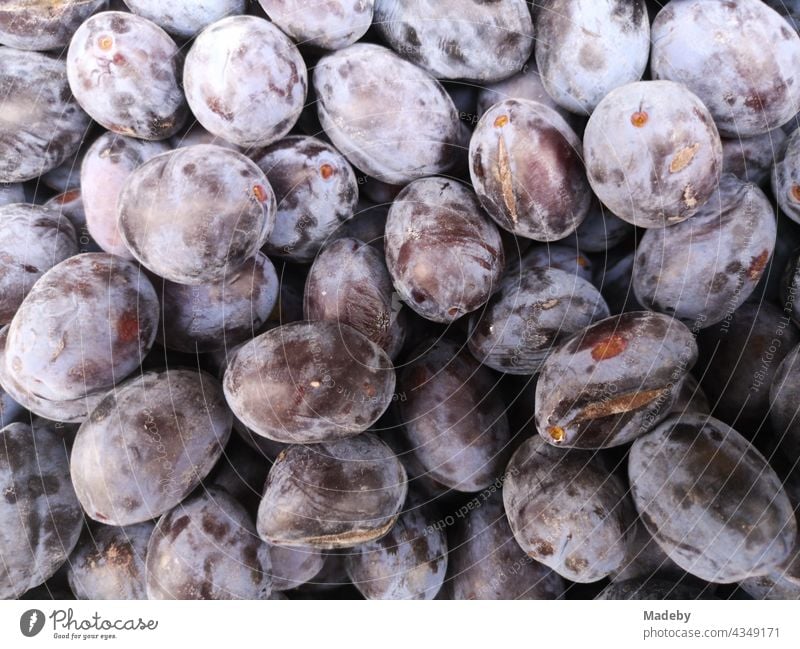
(220, 210)
(41, 123)
(332, 495)
(739, 57)
(126, 73)
(370, 100)
(148, 444)
(525, 164)
(245, 81)
(40, 516)
(653, 154)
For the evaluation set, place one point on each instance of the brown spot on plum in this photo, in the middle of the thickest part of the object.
(612, 346)
(68, 197)
(757, 266)
(217, 529)
(683, 158)
(128, 327)
(178, 526)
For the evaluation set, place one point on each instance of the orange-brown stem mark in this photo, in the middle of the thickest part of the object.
(757, 265)
(501, 121)
(639, 118)
(582, 261)
(326, 171)
(609, 348)
(118, 59)
(105, 43)
(557, 434)
(128, 327)
(795, 192)
(260, 193)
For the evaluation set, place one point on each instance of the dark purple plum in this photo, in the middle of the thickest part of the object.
(109, 563)
(328, 24)
(784, 404)
(561, 257)
(751, 158)
(567, 511)
(470, 39)
(43, 24)
(486, 563)
(41, 124)
(529, 316)
(40, 516)
(208, 548)
(613, 381)
(691, 398)
(444, 255)
(710, 500)
(332, 495)
(453, 417)
(33, 239)
(600, 231)
(293, 567)
(703, 269)
(586, 48)
(645, 559)
(753, 53)
(368, 224)
(210, 317)
(350, 284)
(309, 382)
(105, 169)
(409, 562)
(525, 164)
(370, 101)
(85, 325)
(739, 358)
(70, 410)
